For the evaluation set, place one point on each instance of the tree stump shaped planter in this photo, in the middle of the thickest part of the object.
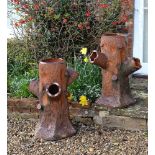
(51, 88)
(117, 65)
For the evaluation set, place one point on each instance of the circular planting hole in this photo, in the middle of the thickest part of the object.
(53, 90)
(93, 56)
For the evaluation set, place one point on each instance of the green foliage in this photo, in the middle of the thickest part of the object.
(88, 83)
(21, 68)
(18, 57)
(18, 84)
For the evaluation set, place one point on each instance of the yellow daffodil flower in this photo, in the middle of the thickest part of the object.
(83, 51)
(83, 100)
(85, 59)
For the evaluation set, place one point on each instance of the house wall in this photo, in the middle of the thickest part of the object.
(127, 11)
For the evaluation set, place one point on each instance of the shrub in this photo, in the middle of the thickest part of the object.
(21, 68)
(59, 28)
(18, 57)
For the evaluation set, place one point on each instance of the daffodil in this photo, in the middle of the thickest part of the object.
(70, 97)
(85, 59)
(83, 100)
(83, 51)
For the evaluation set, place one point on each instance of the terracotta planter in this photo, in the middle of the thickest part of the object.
(54, 77)
(116, 65)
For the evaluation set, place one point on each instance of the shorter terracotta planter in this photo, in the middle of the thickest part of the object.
(51, 89)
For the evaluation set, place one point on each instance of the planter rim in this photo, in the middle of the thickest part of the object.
(52, 60)
(114, 34)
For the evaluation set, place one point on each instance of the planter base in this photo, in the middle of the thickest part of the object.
(51, 134)
(115, 102)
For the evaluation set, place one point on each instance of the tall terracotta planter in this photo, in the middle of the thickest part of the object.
(116, 65)
(54, 78)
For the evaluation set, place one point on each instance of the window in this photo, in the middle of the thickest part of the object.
(140, 45)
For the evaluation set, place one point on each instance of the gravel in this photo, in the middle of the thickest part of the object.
(90, 139)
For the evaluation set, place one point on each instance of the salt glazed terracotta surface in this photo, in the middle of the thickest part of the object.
(51, 89)
(117, 64)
